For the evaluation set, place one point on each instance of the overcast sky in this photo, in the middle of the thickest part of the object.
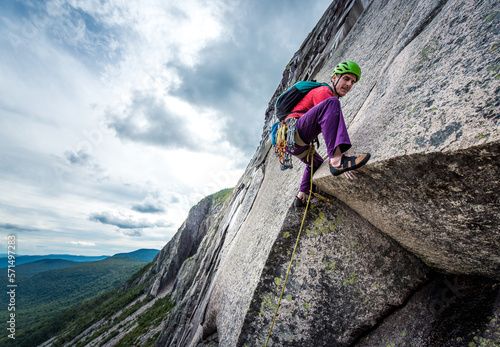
(117, 116)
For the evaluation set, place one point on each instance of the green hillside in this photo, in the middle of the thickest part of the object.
(76, 319)
(30, 269)
(23, 259)
(50, 292)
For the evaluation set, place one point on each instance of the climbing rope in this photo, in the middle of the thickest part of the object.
(311, 155)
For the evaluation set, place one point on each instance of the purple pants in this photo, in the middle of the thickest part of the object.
(326, 117)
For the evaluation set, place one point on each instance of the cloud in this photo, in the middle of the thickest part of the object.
(149, 120)
(133, 232)
(222, 81)
(125, 222)
(120, 222)
(80, 158)
(82, 243)
(148, 206)
(16, 228)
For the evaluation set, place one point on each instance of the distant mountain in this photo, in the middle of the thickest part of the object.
(23, 259)
(146, 255)
(32, 268)
(49, 292)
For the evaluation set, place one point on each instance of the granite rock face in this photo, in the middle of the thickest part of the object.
(183, 245)
(428, 113)
(345, 276)
(447, 311)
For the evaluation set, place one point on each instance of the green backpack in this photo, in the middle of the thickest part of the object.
(291, 97)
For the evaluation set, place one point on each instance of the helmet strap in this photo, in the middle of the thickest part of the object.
(335, 85)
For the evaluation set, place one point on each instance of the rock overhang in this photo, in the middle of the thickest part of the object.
(443, 207)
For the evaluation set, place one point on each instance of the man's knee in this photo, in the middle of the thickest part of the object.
(330, 108)
(331, 102)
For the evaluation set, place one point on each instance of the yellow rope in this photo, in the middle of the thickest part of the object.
(311, 152)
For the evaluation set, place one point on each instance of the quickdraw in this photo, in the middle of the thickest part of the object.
(321, 197)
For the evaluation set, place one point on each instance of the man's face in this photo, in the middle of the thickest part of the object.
(345, 83)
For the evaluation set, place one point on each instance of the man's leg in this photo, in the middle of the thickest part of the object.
(326, 118)
(317, 160)
(301, 153)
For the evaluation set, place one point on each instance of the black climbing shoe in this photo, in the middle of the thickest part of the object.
(299, 203)
(350, 163)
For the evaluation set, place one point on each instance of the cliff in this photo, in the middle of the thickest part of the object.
(407, 254)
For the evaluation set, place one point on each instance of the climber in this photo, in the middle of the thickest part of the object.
(324, 115)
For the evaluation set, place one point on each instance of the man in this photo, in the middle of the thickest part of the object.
(324, 115)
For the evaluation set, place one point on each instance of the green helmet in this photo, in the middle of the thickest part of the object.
(348, 67)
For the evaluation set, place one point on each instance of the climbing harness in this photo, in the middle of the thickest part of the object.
(285, 138)
(310, 154)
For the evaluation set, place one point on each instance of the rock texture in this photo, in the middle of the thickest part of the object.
(344, 277)
(183, 245)
(407, 254)
(448, 311)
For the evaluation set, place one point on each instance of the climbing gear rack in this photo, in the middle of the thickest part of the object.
(285, 138)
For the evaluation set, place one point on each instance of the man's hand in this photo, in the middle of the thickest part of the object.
(302, 196)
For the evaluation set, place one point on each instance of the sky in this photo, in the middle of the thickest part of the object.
(118, 116)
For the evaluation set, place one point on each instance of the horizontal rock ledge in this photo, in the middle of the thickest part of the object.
(443, 207)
